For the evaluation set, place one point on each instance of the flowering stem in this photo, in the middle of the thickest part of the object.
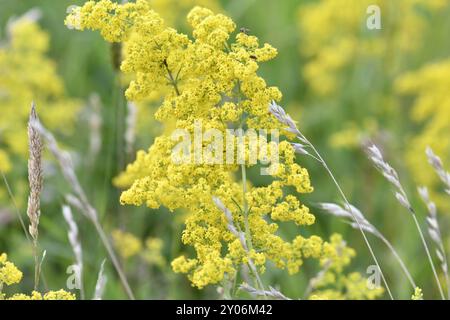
(244, 200)
(113, 136)
(36, 265)
(11, 195)
(448, 284)
(428, 253)
(313, 281)
(391, 175)
(80, 200)
(400, 261)
(114, 259)
(447, 280)
(302, 138)
(248, 236)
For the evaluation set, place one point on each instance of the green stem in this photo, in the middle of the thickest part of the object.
(36, 265)
(16, 208)
(428, 254)
(447, 280)
(342, 194)
(121, 114)
(400, 261)
(114, 259)
(173, 82)
(244, 201)
(248, 238)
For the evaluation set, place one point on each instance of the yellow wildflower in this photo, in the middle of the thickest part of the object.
(318, 297)
(332, 283)
(209, 80)
(343, 56)
(418, 295)
(51, 295)
(431, 109)
(5, 164)
(153, 252)
(126, 244)
(335, 38)
(21, 296)
(59, 295)
(28, 75)
(183, 265)
(9, 274)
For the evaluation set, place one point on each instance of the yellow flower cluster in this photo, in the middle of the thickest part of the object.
(51, 295)
(5, 164)
(418, 295)
(431, 109)
(128, 245)
(174, 14)
(208, 80)
(28, 75)
(153, 252)
(333, 284)
(9, 274)
(353, 135)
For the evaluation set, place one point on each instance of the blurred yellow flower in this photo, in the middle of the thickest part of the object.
(152, 252)
(418, 295)
(431, 110)
(28, 75)
(335, 38)
(332, 283)
(5, 164)
(353, 135)
(126, 244)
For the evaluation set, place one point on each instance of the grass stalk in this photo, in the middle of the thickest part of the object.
(427, 250)
(344, 212)
(16, 208)
(344, 197)
(434, 231)
(279, 113)
(35, 180)
(80, 200)
(392, 176)
(248, 236)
